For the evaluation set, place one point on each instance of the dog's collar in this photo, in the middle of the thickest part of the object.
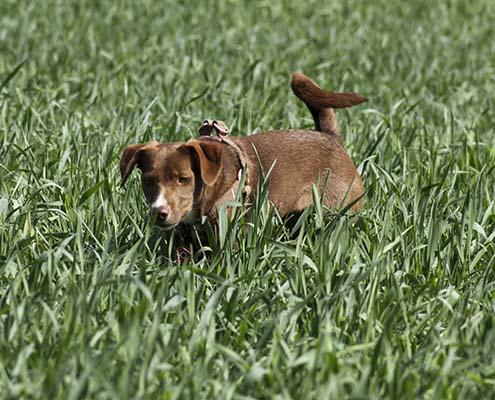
(243, 171)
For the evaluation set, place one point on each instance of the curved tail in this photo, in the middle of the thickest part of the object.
(321, 103)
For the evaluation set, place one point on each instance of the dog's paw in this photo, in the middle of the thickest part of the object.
(182, 255)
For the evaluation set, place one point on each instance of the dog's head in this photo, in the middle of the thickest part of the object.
(173, 175)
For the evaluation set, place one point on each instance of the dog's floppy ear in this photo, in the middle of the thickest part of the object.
(209, 156)
(128, 161)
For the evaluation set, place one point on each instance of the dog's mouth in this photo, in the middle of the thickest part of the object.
(160, 223)
(188, 218)
(165, 226)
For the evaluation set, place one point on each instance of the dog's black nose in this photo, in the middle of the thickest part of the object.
(162, 215)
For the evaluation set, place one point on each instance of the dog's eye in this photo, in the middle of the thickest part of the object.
(183, 180)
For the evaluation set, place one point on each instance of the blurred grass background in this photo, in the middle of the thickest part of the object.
(398, 305)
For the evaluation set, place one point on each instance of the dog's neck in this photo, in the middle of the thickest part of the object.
(229, 174)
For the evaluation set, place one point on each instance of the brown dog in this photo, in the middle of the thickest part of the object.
(184, 181)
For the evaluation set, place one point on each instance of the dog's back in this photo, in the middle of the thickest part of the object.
(298, 159)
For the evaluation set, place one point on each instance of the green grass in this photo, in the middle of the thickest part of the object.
(399, 303)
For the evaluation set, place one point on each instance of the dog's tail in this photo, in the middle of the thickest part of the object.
(321, 103)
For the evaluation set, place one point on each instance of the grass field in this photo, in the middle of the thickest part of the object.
(398, 304)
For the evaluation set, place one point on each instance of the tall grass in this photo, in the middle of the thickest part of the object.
(396, 303)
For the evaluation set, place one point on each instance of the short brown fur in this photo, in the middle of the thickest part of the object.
(196, 177)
